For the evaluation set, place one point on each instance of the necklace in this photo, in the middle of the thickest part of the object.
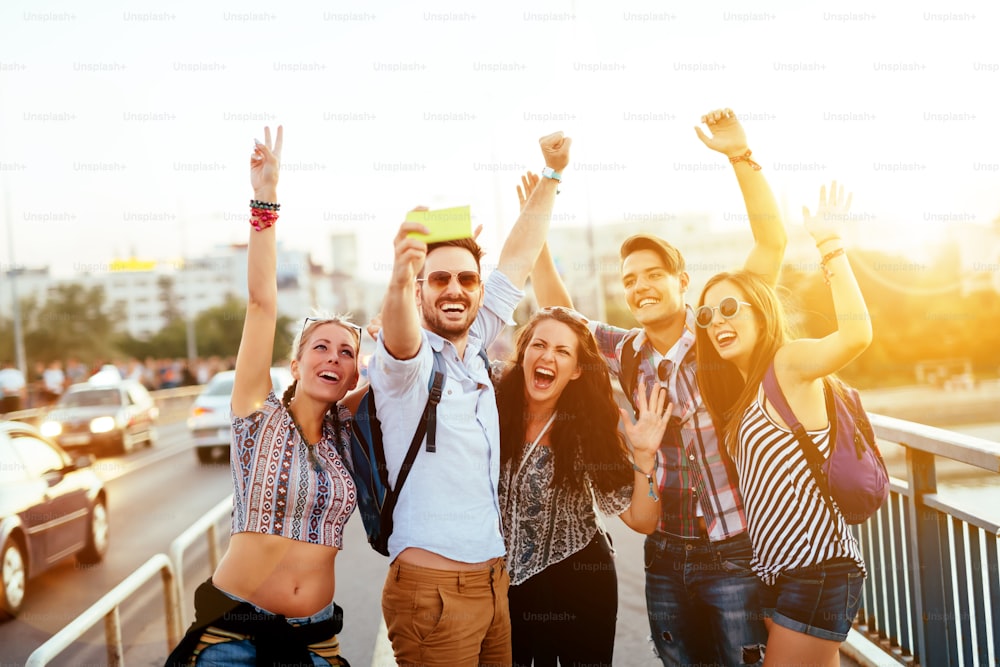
(310, 449)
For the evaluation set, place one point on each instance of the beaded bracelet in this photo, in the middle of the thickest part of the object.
(649, 477)
(827, 273)
(745, 158)
(270, 206)
(261, 219)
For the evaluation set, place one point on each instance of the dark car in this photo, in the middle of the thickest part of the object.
(103, 417)
(51, 507)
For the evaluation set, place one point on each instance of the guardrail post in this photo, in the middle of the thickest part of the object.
(929, 558)
(113, 637)
(171, 601)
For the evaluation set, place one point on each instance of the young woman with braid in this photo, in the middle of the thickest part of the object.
(270, 600)
(803, 551)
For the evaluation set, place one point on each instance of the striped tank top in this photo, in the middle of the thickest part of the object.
(789, 523)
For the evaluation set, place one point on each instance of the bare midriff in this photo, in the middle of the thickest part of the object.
(275, 573)
(424, 558)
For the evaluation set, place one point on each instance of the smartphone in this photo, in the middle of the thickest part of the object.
(444, 224)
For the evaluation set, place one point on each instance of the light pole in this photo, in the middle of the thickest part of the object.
(22, 359)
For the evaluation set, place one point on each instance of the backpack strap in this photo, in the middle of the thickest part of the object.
(427, 424)
(773, 393)
(628, 376)
(429, 420)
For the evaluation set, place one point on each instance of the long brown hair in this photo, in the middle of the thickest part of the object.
(585, 435)
(723, 389)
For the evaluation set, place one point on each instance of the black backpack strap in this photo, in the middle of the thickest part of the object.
(773, 393)
(427, 424)
(429, 419)
(628, 376)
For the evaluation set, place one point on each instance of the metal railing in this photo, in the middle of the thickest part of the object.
(933, 591)
(206, 525)
(107, 608)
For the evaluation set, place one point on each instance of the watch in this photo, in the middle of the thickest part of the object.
(549, 172)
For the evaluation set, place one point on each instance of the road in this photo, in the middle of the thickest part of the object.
(155, 494)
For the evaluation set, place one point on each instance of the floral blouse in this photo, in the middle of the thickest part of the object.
(544, 525)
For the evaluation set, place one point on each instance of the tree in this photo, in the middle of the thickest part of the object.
(74, 321)
(218, 331)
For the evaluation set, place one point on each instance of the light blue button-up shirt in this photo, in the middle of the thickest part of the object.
(449, 503)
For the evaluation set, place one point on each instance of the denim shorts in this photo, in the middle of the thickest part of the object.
(819, 600)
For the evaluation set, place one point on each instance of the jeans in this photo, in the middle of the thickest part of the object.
(244, 653)
(704, 601)
(819, 600)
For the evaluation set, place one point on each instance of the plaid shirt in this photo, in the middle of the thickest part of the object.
(692, 467)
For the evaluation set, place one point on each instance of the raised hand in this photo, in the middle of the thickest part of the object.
(727, 135)
(265, 163)
(831, 213)
(528, 183)
(555, 150)
(374, 325)
(647, 431)
(409, 252)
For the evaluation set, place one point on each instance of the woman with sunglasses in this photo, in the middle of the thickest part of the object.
(805, 554)
(271, 598)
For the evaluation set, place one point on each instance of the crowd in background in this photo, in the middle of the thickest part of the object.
(47, 381)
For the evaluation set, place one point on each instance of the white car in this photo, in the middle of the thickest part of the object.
(210, 422)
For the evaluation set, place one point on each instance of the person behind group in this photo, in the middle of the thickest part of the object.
(702, 598)
(13, 388)
(562, 459)
(445, 595)
(807, 556)
(54, 381)
(271, 598)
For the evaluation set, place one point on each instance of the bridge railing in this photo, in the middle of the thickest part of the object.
(933, 593)
(108, 609)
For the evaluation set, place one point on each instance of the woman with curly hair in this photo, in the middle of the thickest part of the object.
(562, 459)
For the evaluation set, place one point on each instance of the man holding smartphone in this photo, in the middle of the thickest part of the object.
(445, 596)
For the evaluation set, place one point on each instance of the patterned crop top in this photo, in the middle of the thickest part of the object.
(278, 491)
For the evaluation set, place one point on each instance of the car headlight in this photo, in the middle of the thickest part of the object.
(102, 424)
(51, 429)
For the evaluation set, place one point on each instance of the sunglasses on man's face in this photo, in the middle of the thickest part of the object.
(439, 280)
(729, 308)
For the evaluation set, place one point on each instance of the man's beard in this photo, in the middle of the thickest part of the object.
(435, 321)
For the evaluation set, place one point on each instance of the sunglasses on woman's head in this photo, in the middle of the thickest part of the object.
(729, 308)
(356, 327)
(469, 280)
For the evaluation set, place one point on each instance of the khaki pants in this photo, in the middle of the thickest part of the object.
(446, 617)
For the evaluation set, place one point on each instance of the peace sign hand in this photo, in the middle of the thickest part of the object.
(265, 162)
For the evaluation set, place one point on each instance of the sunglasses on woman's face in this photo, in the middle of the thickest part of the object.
(729, 308)
(439, 280)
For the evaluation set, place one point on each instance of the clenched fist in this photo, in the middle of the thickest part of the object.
(555, 150)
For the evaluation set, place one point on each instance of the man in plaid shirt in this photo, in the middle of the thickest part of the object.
(701, 596)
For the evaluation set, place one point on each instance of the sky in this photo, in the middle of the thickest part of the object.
(126, 128)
